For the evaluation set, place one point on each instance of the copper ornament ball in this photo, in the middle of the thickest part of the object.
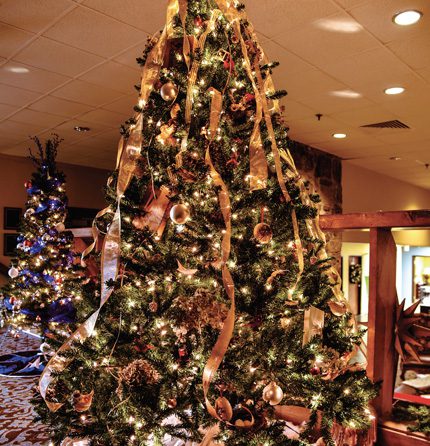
(169, 91)
(172, 403)
(273, 394)
(263, 233)
(179, 214)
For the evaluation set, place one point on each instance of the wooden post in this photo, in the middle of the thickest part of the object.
(382, 356)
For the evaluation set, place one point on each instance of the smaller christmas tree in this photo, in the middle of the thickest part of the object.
(45, 280)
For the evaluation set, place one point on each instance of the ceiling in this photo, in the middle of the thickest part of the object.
(67, 63)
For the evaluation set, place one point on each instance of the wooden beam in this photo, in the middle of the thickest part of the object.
(394, 219)
(381, 354)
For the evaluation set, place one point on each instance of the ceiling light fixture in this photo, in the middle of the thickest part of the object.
(395, 158)
(406, 18)
(18, 70)
(350, 94)
(78, 128)
(339, 135)
(394, 90)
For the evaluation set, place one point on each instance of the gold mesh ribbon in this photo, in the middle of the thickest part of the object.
(192, 78)
(226, 333)
(126, 164)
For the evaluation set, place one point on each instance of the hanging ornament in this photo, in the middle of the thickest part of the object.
(198, 21)
(166, 137)
(13, 273)
(28, 184)
(60, 227)
(315, 370)
(82, 402)
(29, 212)
(263, 232)
(172, 403)
(179, 214)
(273, 394)
(153, 306)
(169, 91)
(223, 408)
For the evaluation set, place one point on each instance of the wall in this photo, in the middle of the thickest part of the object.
(324, 171)
(84, 187)
(365, 190)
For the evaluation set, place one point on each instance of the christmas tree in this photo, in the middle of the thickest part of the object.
(221, 317)
(44, 278)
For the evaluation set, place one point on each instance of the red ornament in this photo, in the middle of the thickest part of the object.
(313, 260)
(229, 63)
(28, 243)
(315, 371)
(198, 21)
(182, 351)
(27, 184)
(249, 97)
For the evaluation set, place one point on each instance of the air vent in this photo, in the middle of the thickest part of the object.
(388, 125)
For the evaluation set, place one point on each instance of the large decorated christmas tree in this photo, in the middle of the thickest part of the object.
(44, 276)
(221, 317)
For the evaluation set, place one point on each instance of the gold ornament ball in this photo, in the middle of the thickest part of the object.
(273, 394)
(263, 233)
(179, 214)
(169, 91)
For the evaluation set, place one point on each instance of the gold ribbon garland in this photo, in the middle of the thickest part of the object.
(226, 333)
(126, 164)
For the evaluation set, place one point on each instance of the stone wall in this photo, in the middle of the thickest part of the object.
(324, 171)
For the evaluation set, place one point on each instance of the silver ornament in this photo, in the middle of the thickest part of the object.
(13, 273)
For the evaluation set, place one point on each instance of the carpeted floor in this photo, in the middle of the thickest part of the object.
(17, 426)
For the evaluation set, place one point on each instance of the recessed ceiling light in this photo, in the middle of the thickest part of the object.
(394, 90)
(18, 70)
(339, 135)
(395, 158)
(407, 18)
(78, 128)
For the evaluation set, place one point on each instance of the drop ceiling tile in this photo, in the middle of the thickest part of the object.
(414, 51)
(86, 93)
(327, 104)
(425, 73)
(60, 107)
(375, 65)
(94, 32)
(100, 116)
(20, 129)
(129, 56)
(45, 120)
(57, 57)
(16, 96)
(272, 17)
(147, 16)
(347, 4)
(295, 110)
(37, 80)
(320, 45)
(290, 63)
(123, 105)
(11, 39)
(6, 110)
(113, 75)
(377, 16)
(32, 15)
